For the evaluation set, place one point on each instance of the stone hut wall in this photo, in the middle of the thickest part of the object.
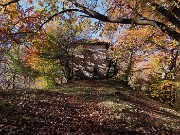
(93, 57)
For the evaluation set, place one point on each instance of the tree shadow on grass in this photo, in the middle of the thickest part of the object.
(43, 112)
(53, 112)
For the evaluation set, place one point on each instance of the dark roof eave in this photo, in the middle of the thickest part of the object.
(107, 44)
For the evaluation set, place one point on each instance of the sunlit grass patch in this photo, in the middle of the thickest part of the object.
(115, 106)
(106, 90)
(72, 90)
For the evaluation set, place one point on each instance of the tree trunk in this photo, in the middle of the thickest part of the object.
(128, 71)
(13, 81)
(171, 66)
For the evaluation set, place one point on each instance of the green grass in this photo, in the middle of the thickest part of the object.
(75, 90)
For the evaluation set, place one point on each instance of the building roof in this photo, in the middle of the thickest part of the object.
(92, 42)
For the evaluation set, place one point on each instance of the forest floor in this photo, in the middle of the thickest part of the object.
(104, 107)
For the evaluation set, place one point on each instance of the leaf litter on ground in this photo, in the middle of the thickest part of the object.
(86, 107)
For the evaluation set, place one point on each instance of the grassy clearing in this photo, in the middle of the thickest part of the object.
(85, 107)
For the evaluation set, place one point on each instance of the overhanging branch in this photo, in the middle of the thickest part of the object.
(93, 14)
(175, 8)
(164, 28)
(167, 14)
(56, 14)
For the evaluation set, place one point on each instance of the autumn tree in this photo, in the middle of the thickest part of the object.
(65, 37)
(53, 52)
(12, 22)
(13, 71)
(161, 16)
(131, 45)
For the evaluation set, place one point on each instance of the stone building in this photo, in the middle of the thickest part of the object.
(92, 61)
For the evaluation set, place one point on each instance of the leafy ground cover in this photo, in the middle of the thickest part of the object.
(86, 108)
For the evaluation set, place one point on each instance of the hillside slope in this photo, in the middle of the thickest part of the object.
(85, 107)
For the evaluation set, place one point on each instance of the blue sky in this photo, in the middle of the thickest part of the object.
(24, 4)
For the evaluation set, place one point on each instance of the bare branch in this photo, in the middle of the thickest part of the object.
(56, 14)
(164, 28)
(142, 21)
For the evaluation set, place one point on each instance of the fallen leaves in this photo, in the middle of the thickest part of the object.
(43, 112)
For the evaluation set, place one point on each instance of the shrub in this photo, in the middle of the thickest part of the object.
(164, 91)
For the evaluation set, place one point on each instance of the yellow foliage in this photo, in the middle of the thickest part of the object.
(41, 83)
(164, 91)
